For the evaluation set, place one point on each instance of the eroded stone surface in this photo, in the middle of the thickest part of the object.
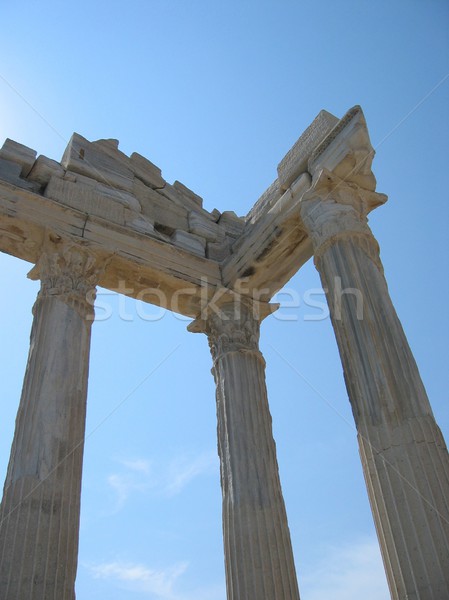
(44, 169)
(39, 514)
(20, 154)
(99, 160)
(189, 241)
(346, 151)
(11, 171)
(295, 161)
(149, 233)
(405, 460)
(205, 227)
(97, 179)
(258, 553)
(146, 171)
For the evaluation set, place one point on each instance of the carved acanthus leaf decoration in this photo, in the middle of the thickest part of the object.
(71, 273)
(333, 210)
(233, 328)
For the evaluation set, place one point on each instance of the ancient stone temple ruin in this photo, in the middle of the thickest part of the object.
(101, 218)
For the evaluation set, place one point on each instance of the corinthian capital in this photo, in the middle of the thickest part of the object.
(234, 330)
(333, 209)
(232, 323)
(69, 272)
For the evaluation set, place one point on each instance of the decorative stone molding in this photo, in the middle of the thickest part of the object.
(232, 323)
(235, 330)
(346, 151)
(333, 210)
(295, 161)
(70, 273)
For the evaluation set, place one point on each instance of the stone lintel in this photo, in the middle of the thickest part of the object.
(270, 196)
(346, 151)
(272, 249)
(274, 244)
(295, 161)
(138, 261)
(122, 205)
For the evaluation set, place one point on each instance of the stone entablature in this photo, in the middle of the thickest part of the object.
(158, 235)
(98, 179)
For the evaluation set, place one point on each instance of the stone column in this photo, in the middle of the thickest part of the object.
(404, 457)
(41, 500)
(258, 553)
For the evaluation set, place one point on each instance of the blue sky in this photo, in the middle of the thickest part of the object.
(215, 94)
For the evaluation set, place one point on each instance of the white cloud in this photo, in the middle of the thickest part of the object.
(124, 485)
(121, 488)
(163, 479)
(157, 583)
(140, 465)
(182, 471)
(348, 572)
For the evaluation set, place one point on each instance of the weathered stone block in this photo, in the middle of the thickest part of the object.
(116, 195)
(128, 200)
(190, 242)
(295, 161)
(172, 194)
(99, 160)
(218, 251)
(71, 176)
(139, 223)
(265, 202)
(43, 169)
(232, 224)
(215, 214)
(10, 172)
(187, 193)
(175, 194)
(20, 154)
(160, 209)
(347, 151)
(204, 227)
(146, 171)
(85, 199)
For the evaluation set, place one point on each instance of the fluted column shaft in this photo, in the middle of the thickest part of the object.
(404, 457)
(41, 500)
(258, 554)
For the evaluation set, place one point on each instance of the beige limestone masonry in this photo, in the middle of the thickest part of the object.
(99, 217)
